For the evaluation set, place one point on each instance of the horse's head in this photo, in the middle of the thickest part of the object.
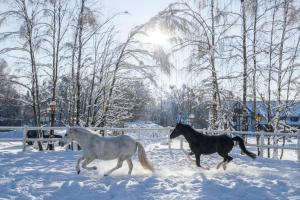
(78, 134)
(178, 130)
(69, 136)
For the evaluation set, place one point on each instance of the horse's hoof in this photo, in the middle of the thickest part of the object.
(218, 166)
(78, 171)
(105, 174)
(94, 168)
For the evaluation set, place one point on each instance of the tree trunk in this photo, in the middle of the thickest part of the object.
(270, 71)
(245, 72)
(73, 82)
(35, 84)
(254, 73)
(56, 31)
(215, 87)
(279, 79)
(78, 85)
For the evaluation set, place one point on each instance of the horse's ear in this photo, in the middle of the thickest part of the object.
(180, 117)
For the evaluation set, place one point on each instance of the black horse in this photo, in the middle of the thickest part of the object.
(204, 144)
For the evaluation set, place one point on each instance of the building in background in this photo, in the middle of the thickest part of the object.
(289, 115)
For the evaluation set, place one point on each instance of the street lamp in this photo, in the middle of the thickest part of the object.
(52, 106)
(258, 117)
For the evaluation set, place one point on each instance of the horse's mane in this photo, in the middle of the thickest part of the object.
(191, 129)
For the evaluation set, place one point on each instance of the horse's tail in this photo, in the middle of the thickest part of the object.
(143, 158)
(242, 146)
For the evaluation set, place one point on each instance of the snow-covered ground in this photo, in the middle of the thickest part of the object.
(52, 175)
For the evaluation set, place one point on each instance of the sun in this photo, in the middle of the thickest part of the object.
(157, 38)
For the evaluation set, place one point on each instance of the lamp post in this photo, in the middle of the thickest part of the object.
(258, 118)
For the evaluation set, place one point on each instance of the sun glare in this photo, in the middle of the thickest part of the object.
(157, 37)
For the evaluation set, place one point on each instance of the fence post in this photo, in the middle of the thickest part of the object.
(261, 144)
(24, 138)
(275, 144)
(169, 145)
(139, 134)
(181, 142)
(298, 146)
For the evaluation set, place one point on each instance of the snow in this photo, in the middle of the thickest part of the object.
(12, 134)
(52, 175)
(288, 154)
(154, 134)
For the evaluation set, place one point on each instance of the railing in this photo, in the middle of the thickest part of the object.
(261, 145)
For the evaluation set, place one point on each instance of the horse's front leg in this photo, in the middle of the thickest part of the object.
(198, 161)
(77, 165)
(88, 161)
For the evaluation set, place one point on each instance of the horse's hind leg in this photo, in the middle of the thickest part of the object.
(119, 165)
(77, 165)
(130, 165)
(228, 159)
(220, 163)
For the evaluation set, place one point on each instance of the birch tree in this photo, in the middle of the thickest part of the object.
(29, 44)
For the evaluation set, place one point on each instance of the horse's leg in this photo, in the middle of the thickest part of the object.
(119, 165)
(130, 165)
(220, 163)
(190, 158)
(77, 165)
(88, 161)
(224, 159)
(228, 159)
(198, 162)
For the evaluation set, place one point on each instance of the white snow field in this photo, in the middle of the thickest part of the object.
(52, 175)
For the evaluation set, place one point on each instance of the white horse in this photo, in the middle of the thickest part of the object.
(107, 148)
